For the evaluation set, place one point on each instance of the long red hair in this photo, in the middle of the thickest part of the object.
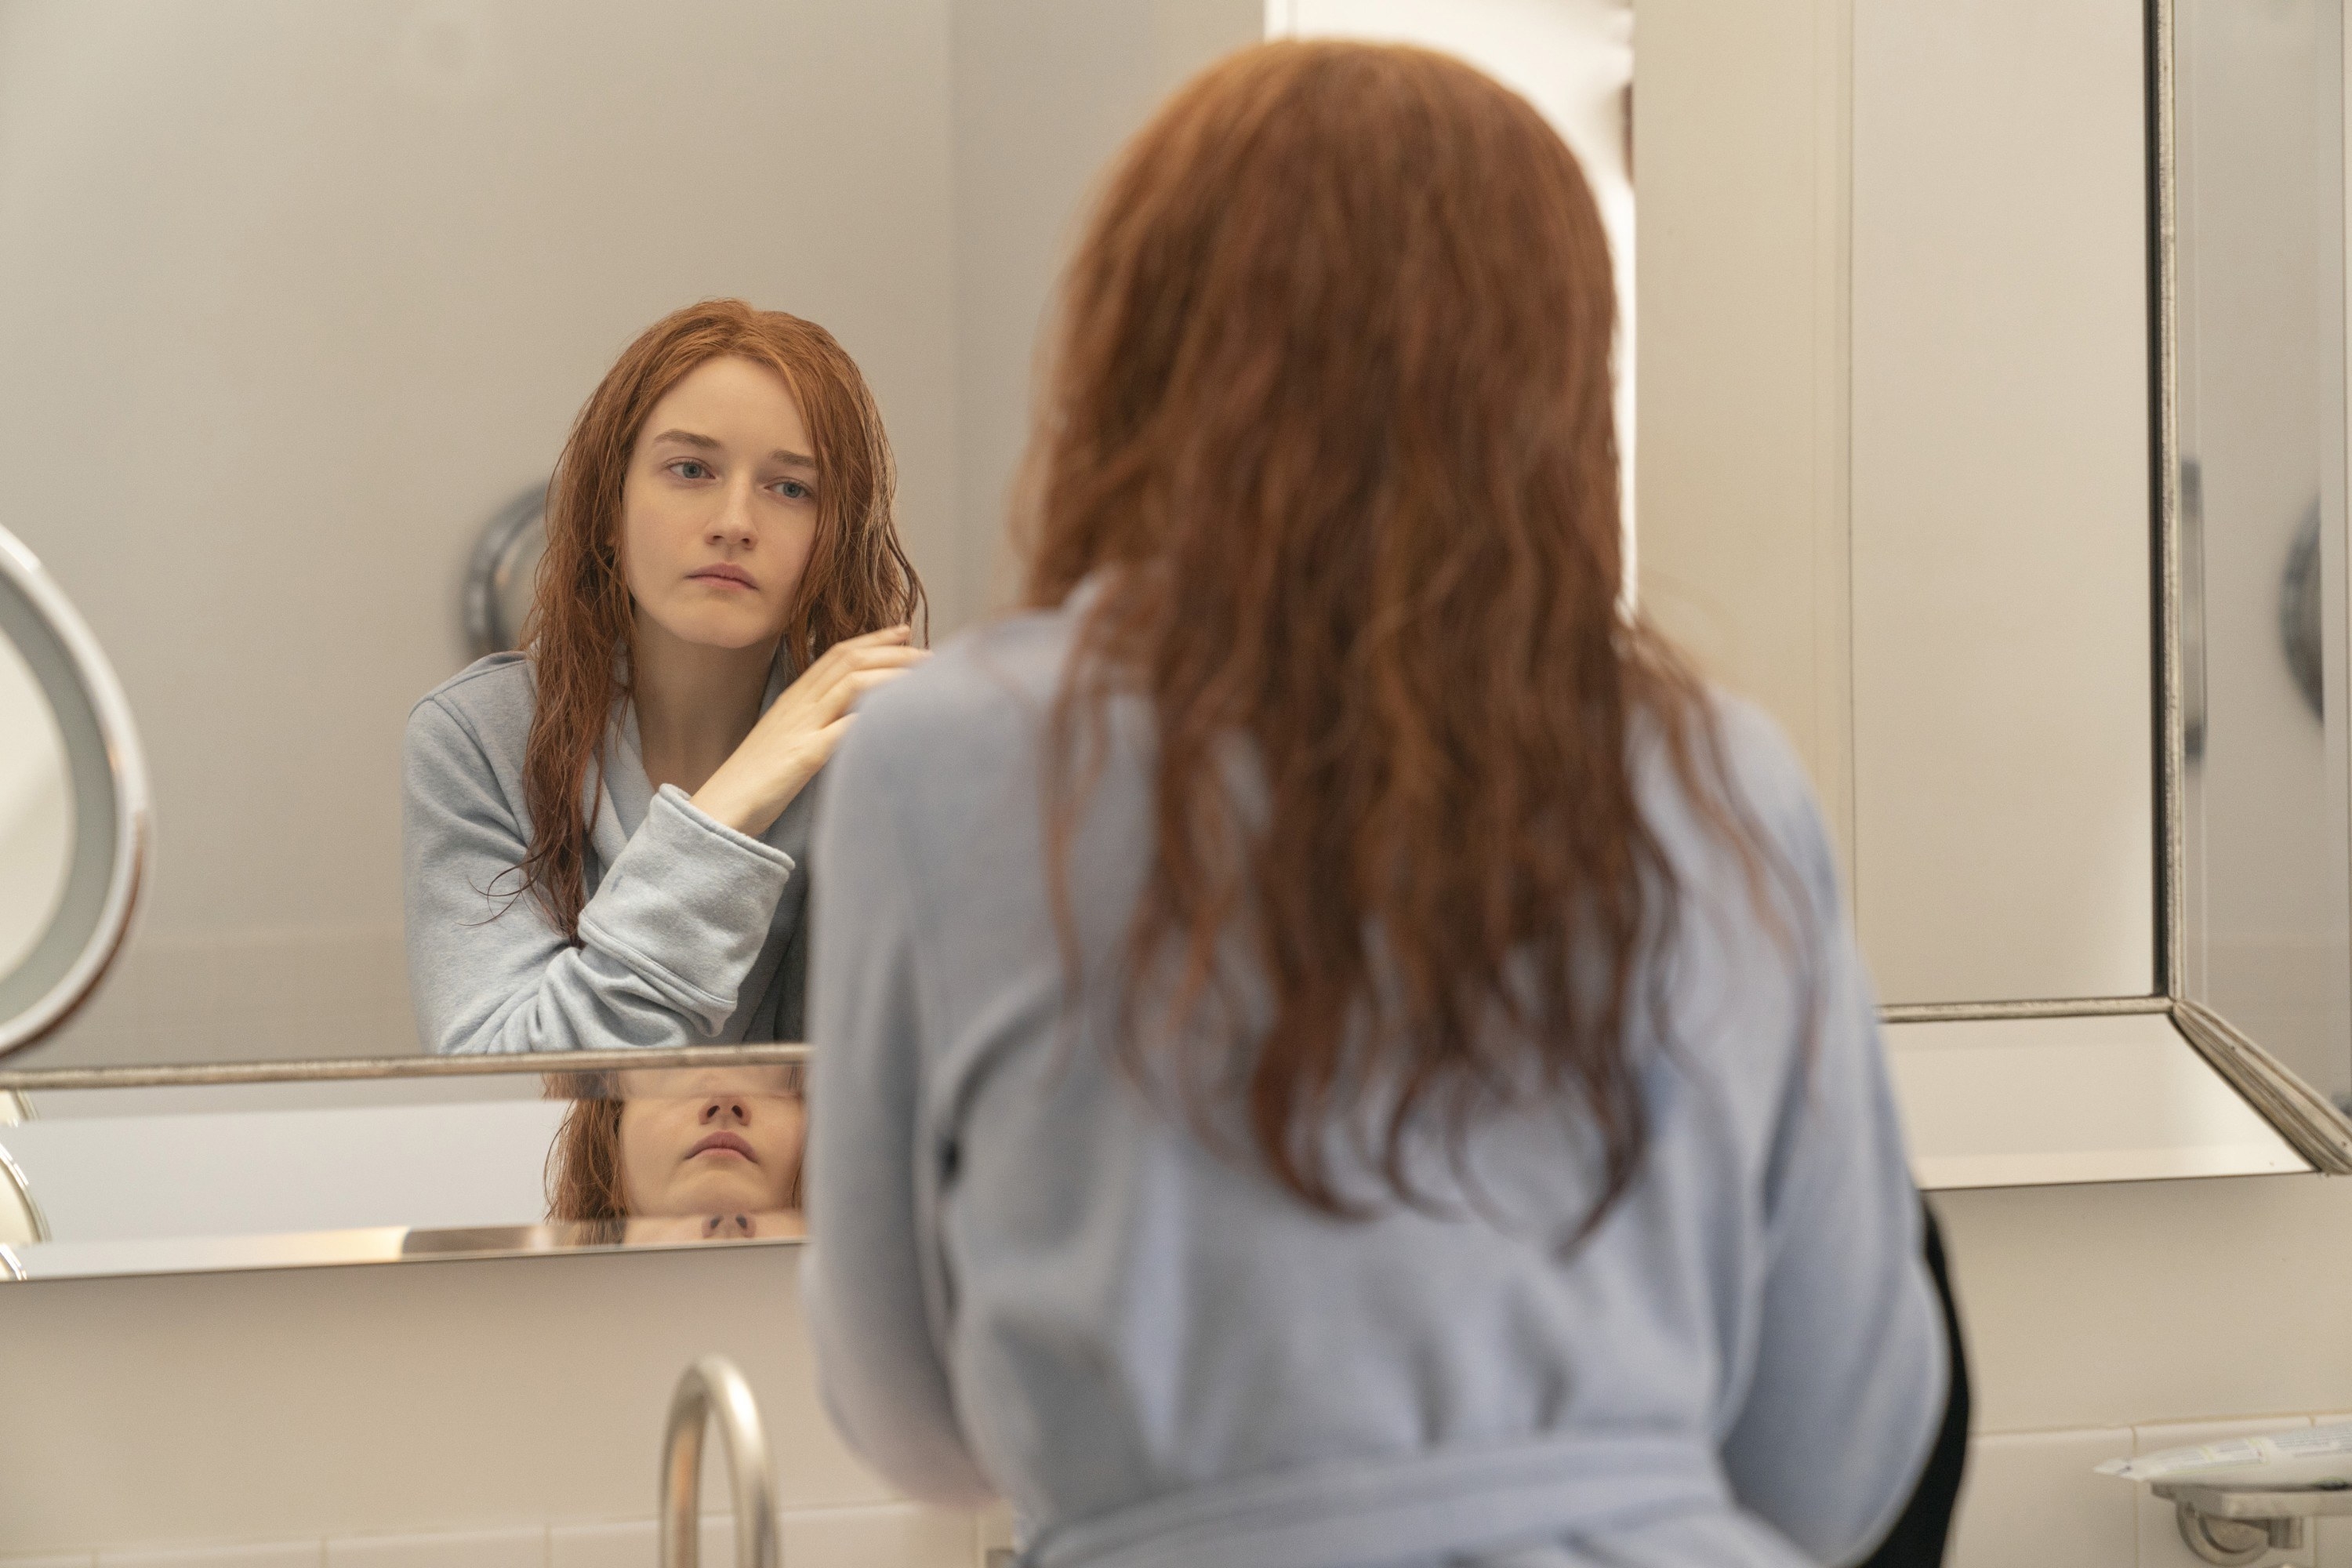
(1329, 423)
(858, 578)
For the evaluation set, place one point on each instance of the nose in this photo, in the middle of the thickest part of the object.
(719, 1225)
(731, 523)
(721, 1108)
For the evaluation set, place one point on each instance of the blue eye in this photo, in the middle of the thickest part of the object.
(690, 468)
(794, 490)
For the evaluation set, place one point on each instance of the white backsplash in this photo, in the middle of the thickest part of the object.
(886, 1535)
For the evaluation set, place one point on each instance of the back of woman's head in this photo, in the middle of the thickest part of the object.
(1331, 423)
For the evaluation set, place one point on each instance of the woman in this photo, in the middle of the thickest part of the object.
(1330, 1048)
(606, 835)
(679, 1154)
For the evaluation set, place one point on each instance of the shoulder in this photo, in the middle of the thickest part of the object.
(1758, 756)
(493, 688)
(1737, 764)
(484, 709)
(950, 752)
(978, 692)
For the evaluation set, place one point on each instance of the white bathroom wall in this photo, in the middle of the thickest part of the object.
(2003, 717)
(1045, 89)
(1740, 118)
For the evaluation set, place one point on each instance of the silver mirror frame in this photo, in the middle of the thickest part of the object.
(22, 575)
(2305, 1118)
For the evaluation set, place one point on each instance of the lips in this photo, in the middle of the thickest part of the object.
(731, 1143)
(722, 571)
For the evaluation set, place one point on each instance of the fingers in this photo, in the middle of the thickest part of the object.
(886, 649)
(861, 681)
(849, 650)
(829, 737)
(843, 694)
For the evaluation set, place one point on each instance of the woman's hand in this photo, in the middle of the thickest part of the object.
(800, 728)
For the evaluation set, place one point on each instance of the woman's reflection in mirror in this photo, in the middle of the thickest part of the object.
(679, 1155)
(1330, 1042)
(605, 835)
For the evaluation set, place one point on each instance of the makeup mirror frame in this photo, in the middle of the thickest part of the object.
(66, 653)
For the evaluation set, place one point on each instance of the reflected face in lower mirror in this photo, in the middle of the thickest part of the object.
(682, 1155)
(711, 1140)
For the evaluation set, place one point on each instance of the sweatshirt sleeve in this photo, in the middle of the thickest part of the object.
(878, 1305)
(666, 942)
(1851, 1365)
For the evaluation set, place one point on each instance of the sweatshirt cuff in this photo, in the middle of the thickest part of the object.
(700, 818)
(687, 905)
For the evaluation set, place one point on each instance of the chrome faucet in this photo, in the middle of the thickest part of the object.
(713, 1386)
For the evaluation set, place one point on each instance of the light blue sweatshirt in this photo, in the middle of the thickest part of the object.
(693, 934)
(1024, 1279)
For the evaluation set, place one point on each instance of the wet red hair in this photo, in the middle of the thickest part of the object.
(858, 578)
(1329, 424)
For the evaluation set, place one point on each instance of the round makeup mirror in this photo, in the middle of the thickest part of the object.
(505, 567)
(73, 805)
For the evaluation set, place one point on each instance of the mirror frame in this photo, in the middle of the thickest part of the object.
(2307, 1120)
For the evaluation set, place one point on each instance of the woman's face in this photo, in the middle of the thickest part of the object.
(719, 509)
(699, 1141)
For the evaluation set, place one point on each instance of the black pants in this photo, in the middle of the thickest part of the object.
(1917, 1540)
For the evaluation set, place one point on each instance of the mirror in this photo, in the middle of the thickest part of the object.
(147, 1180)
(73, 813)
(333, 284)
(2260, 464)
(2002, 458)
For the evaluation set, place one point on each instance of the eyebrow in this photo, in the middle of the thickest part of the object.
(709, 444)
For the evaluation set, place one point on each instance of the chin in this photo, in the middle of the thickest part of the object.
(720, 1197)
(731, 632)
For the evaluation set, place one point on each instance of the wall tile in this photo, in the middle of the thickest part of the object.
(270, 1555)
(2031, 1498)
(2160, 1545)
(492, 1548)
(2333, 1536)
(631, 1544)
(996, 1523)
(895, 1535)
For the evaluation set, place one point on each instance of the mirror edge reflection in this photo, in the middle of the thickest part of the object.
(327, 1070)
(336, 1250)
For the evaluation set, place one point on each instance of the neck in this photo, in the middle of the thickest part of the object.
(695, 702)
